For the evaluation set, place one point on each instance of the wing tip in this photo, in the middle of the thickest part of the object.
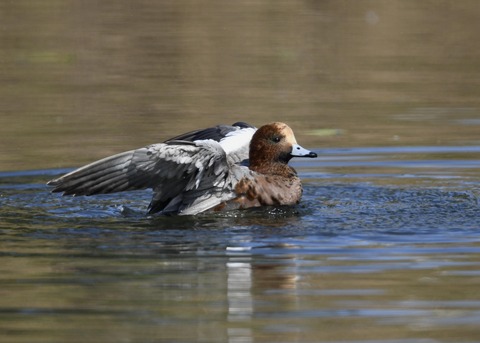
(52, 183)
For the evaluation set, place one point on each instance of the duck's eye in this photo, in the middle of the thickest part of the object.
(276, 139)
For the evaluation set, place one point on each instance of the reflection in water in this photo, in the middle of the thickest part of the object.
(250, 282)
(240, 300)
(240, 303)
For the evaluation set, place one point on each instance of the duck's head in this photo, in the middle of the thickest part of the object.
(275, 143)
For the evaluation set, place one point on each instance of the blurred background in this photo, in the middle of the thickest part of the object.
(84, 79)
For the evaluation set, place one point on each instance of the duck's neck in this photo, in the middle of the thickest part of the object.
(277, 168)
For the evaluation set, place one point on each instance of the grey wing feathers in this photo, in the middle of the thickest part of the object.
(200, 187)
(172, 170)
(116, 173)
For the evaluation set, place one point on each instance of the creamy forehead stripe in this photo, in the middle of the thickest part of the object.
(287, 132)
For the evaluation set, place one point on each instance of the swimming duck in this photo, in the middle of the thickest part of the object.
(225, 167)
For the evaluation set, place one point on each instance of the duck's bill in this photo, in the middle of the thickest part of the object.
(298, 151)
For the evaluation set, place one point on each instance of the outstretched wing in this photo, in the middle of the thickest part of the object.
(173, 170)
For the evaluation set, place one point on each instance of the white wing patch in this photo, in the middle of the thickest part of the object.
(237, 140)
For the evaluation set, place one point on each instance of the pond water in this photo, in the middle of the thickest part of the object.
(386, 250)
(385, 244)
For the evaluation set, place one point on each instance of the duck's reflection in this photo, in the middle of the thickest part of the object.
(239, 295)
(248, 277)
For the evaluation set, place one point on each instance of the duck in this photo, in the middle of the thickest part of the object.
(221, 168)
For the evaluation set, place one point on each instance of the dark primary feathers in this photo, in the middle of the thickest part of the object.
(216, 133)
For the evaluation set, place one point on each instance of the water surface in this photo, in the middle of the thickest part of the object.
(388, 250)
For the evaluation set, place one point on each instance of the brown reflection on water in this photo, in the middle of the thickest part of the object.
(55, 294)
(81, 80)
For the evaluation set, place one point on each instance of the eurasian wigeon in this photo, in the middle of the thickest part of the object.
(219, 168)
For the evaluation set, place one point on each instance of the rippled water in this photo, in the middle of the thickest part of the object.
(385, 246)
